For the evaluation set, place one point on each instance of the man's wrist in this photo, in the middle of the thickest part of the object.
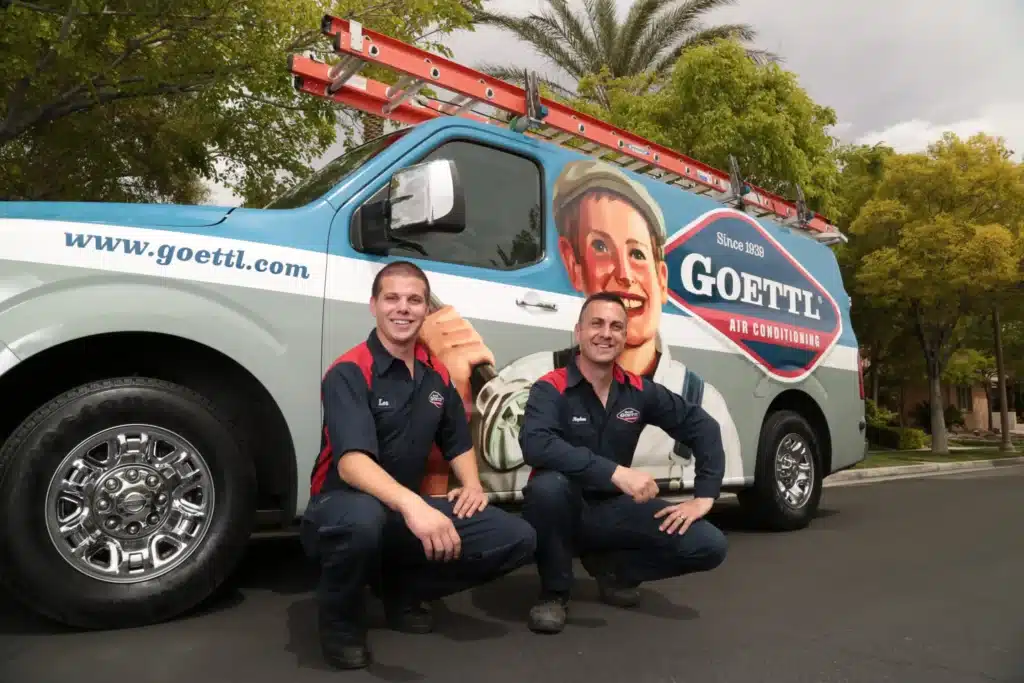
(407, 502)
(707, 502)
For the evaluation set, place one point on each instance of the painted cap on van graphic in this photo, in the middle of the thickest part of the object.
(585, 176)
(728, 271)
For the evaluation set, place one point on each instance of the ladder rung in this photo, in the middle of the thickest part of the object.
(341, 72)
(401, 91)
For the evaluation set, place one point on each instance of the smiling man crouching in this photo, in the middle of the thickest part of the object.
(386, 402)
(579, 432)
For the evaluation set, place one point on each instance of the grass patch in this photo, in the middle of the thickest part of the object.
(899, 458)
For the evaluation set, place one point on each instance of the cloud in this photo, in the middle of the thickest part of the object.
(913, 135)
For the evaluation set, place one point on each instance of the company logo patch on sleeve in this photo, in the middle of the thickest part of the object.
(733, 276)
(436, 398)
(629, 415)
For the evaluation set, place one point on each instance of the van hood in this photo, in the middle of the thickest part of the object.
(130, 215)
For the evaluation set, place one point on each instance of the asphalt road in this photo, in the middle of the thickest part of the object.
(911, 581)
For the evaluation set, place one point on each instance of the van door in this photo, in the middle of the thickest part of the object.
(494, 286)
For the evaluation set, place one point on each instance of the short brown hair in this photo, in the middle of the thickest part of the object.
(602, 296)
(399, 267)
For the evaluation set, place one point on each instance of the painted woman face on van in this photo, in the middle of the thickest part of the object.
(617, 256)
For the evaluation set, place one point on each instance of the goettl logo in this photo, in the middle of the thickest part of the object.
(729, 272)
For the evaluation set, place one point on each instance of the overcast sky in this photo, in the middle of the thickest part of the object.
(898, 71)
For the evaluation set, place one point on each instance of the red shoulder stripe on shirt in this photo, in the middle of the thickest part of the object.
(559, 379)
(622, 375)
(425, 356)
(361, 357)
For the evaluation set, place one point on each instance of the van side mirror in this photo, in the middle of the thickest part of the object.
(426, 197)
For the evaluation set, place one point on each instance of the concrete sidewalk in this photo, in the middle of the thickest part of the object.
(919, 470)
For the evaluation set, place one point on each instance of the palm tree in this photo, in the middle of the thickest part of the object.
(650, 39)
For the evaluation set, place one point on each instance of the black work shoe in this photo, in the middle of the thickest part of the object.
(347, 656)
(410, 618)
(341, 648)
(612, 590)
(548, 615)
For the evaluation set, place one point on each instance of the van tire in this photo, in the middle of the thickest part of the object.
(783, 433)
(39, 575)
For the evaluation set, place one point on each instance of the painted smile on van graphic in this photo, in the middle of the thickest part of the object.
(635, 304)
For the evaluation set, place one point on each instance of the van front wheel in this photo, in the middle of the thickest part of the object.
(788, 476)
(123, 502)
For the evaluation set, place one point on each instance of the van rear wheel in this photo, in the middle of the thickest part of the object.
(788, 476)
(123, 503)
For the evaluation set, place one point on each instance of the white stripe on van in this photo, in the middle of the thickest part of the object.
(286, 270)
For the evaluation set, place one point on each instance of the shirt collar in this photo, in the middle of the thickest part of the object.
(573, 376)
(382, 358)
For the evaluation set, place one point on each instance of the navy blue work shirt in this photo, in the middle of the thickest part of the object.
(372, 404)
(567, 429)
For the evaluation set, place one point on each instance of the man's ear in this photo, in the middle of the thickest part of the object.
(572, 266)
(373, 307)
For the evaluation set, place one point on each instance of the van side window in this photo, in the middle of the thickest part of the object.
(504, 219)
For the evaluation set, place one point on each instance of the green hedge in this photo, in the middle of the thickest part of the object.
(896, 438)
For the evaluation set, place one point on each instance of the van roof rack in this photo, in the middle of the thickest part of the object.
(523, 110)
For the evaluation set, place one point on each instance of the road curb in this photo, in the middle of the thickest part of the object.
(922, 469)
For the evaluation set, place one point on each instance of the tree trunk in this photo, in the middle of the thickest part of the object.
(874, 383)
(940, 440)
(1004, 408)
(373, 126)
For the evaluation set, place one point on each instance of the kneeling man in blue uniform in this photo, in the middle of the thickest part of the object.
(579, 433)
(386, 403)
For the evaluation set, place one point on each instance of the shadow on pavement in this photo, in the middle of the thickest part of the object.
(277, 564)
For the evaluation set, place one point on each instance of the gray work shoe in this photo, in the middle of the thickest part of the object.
(548, 615)
(612, 590)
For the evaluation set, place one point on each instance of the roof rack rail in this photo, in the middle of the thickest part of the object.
(525, 112)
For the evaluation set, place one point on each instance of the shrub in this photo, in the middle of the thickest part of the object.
(922, 416)
(895, 438)
(877, 415)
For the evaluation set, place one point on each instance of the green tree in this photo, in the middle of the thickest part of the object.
(882, 332)
(143, 100)
(715, 103)
(940, 245)
(650, 39)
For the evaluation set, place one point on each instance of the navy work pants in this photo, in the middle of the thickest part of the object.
(358, 541)
(567, 524)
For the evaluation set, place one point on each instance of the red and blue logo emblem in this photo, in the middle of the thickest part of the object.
(730, 273)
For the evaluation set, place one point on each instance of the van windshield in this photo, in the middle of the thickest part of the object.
(321, 182)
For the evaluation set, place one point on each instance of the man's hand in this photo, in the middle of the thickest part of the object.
(457, 345)
(639, 485)
(435, 531)
(469, 500)
(678, 518)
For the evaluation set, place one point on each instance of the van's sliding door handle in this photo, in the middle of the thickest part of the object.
(531, 300)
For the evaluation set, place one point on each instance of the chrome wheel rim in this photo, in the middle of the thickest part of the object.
(794, 470)
(129, 504)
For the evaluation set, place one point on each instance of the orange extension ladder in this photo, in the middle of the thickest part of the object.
(530, 114)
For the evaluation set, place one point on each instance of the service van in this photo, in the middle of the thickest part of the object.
(160, 365)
